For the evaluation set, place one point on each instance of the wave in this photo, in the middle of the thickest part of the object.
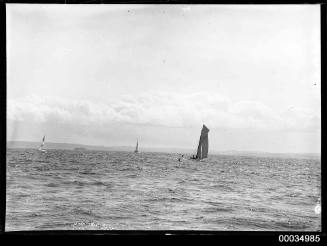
(87, 173)
(52, 185)
(217, 209)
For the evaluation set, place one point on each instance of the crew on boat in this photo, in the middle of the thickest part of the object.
(181, 158)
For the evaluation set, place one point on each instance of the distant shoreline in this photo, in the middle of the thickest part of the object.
(68, 146)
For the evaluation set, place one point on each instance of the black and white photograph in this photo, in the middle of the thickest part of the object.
(163, 117)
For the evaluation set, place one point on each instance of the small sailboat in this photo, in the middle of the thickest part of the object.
(42, 145)
(203, 146)
(137, 147)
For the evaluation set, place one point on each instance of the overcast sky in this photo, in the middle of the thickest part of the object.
(109, 74)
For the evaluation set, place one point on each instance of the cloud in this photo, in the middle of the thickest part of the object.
(186, 8)
(163, 109)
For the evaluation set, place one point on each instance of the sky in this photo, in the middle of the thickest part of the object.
(111, 74)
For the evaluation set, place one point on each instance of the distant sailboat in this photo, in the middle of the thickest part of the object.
(137, 147)
(203, 146)
(42, 144)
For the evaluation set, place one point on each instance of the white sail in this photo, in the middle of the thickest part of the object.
(137, 147)
(42, 144)
(203, 146)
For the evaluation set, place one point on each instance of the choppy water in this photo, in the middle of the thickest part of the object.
(71, 190)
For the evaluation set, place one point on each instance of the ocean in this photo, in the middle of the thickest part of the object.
(103, 190)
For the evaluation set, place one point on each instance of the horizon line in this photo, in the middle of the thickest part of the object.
(181, 148)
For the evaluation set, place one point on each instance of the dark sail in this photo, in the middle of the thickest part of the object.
(203, 144)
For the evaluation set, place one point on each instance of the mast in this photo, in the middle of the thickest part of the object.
(137, 147)
(198, 153)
